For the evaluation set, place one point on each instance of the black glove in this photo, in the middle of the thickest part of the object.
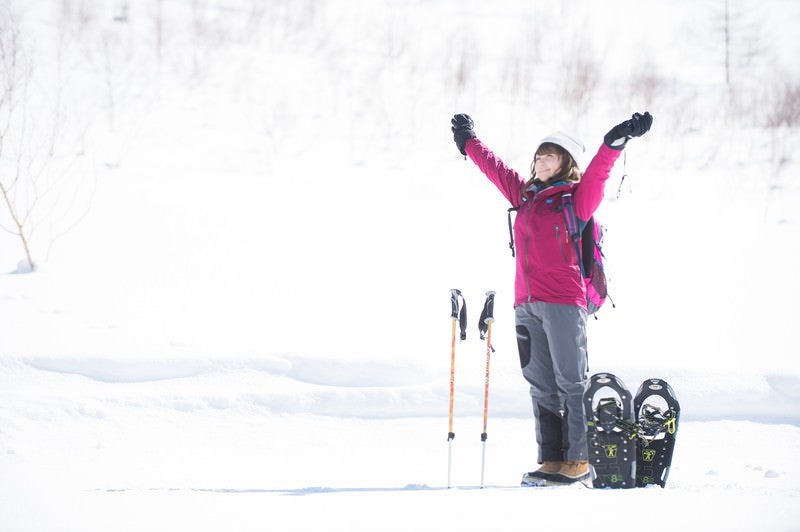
(638, 125)
(462, 131)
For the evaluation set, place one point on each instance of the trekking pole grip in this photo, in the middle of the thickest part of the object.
(459, 313)
(454, 294)
(487, 315)
(489, 307)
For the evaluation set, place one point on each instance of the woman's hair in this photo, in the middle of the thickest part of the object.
(569, 170)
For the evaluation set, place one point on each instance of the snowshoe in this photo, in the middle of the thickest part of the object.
(657, 413)
(610, 432)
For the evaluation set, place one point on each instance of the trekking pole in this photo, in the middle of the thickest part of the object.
(485, 328)
(456, 315)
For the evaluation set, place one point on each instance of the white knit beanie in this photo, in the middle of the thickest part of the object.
(573, 145)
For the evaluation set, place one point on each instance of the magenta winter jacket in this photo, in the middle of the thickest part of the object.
(547, 262)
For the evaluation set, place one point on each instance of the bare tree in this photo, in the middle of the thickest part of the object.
(743, 42)
(34, 164)
(14, 75)
(581, 76)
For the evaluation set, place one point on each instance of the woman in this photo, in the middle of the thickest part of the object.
(549, 291)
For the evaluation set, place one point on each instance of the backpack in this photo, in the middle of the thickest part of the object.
(588, 239)
(594, 273)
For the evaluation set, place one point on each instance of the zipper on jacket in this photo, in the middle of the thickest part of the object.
(527, 267)
(526, 206)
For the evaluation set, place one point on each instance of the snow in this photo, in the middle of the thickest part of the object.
(239, 317)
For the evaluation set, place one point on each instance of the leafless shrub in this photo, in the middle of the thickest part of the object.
(462, 73)
(157, 16)
(75, 18)
(646, 84)
(580, 76)
(784, 105)
(523, 58)
(782, 119)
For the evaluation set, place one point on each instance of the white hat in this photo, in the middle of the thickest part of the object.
(573, 145)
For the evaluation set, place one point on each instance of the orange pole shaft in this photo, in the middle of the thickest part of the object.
(452, 377)
(486, 382)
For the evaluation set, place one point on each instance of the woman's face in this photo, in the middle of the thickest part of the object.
(547, 165)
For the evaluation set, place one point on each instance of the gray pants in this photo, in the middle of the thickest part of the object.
(552, 350)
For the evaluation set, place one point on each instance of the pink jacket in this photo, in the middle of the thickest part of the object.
(547, 263)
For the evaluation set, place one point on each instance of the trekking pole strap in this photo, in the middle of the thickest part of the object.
(624, 173)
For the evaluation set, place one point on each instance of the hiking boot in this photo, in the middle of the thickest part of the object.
(544, 473)
(572, 471)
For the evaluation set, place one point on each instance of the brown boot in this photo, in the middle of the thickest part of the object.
(547, 470)
(572, 471)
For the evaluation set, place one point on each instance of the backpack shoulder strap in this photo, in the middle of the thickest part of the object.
(588, 245)
(574, 228)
